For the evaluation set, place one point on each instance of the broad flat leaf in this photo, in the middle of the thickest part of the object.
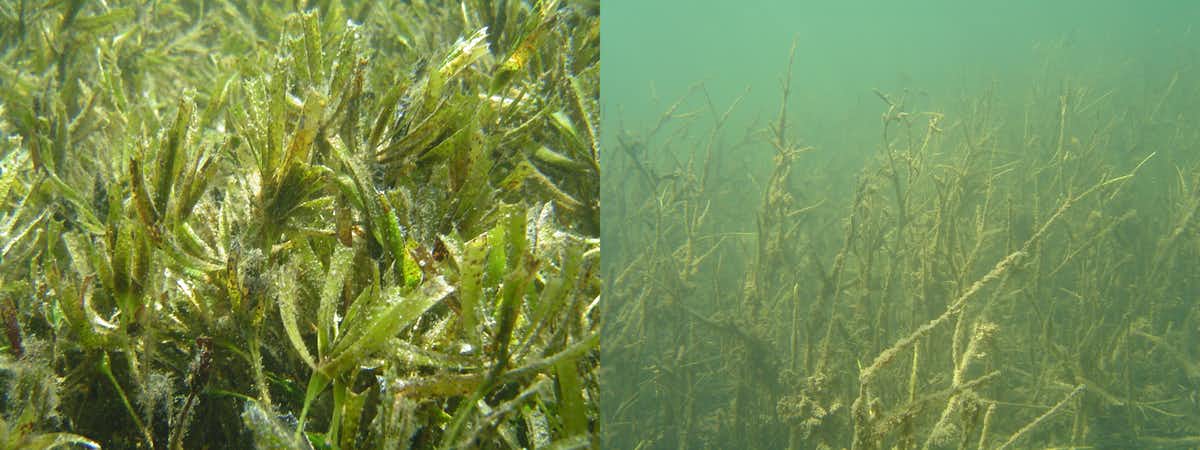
(288, 313)
(372, 332)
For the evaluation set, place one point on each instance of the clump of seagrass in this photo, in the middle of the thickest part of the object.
(343, 224)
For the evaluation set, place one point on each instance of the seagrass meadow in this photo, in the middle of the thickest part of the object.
(921, 239)
(299, 224)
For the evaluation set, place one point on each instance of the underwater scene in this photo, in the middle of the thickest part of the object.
(322, 224)
(901, 225)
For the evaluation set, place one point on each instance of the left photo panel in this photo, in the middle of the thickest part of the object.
(325, 224)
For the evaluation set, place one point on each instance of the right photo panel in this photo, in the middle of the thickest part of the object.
(900, 225)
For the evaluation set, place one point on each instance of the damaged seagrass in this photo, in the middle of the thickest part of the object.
(348, 225)
(1013, 271)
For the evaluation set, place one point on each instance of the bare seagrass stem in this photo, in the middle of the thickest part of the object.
(863, 428)
(1046, 415)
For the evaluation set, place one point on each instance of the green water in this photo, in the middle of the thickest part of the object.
(844, 49)
(978, 229)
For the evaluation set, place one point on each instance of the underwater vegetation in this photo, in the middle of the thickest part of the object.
(1013, 270)
(323, 224)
